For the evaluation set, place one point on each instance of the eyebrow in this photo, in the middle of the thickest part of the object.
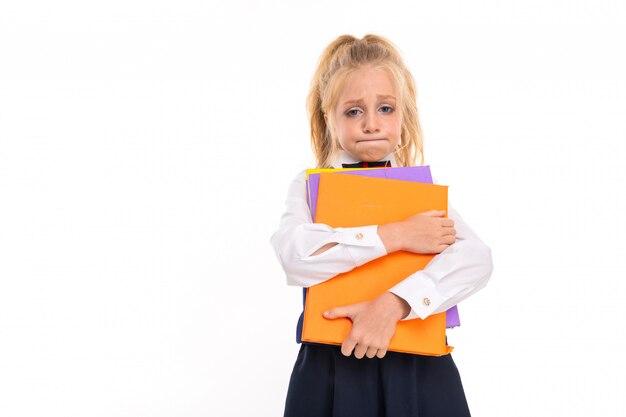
(378, 96)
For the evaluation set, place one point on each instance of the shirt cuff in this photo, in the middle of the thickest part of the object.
(420, 293)
(362, 243)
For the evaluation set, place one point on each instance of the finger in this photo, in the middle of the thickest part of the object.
(371, 352)
(445, 222)
(347, 346)
(381, 353)
(338, 312)
(448, 240)
(442, 247)
(434, 213)
(359, 351)
(448, 231)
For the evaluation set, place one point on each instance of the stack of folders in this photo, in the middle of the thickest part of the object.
(364, 197)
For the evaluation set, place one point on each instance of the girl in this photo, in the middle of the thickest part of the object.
(363, 112)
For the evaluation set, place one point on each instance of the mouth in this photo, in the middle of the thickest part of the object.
(370, 140)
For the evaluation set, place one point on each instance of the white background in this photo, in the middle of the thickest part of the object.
(136, 276)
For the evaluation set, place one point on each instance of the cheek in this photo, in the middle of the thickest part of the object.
(335, 129)
(396, 127)
(344, 130)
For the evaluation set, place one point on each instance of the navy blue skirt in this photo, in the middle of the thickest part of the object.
(324, 383)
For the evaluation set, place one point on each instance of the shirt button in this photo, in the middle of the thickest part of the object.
(426, 301)
(359, 236)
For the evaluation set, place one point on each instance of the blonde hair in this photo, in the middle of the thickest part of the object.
(342, 57)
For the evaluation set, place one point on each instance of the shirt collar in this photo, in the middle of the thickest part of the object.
(344, 157)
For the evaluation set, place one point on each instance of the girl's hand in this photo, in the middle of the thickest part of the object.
(427, 232)
(373, 324)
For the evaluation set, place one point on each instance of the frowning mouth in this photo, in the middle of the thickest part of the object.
(370, 140)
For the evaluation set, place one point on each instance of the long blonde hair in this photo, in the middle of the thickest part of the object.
(342, 57)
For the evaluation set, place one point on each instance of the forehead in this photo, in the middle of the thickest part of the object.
(367, 82)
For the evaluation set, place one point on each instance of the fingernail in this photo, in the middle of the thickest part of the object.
(325, 313)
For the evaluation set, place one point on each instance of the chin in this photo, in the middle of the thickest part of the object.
(372, 156)
(372, 151)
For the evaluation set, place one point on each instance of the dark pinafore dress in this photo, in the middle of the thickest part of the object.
(324, 383)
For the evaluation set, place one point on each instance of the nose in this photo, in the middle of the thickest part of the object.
(370, 123)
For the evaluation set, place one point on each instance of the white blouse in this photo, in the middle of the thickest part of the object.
(450, 277)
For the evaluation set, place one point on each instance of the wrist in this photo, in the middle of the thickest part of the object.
(397, 306)
(391, 236)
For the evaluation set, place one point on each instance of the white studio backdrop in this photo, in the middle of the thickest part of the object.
(146, 148)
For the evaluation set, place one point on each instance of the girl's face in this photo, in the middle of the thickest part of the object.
(366, 121)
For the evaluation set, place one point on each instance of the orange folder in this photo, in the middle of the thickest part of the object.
(350, 201)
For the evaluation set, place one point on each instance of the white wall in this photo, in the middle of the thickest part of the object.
(136, 277)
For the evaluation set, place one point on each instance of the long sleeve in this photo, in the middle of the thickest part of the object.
(297, 238)
(452, 276)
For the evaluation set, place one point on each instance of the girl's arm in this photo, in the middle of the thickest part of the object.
(311, 253)
(451, 276)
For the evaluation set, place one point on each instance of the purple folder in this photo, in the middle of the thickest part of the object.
(416, 174)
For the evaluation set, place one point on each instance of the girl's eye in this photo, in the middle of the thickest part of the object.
(386, 109)
(353, 112)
